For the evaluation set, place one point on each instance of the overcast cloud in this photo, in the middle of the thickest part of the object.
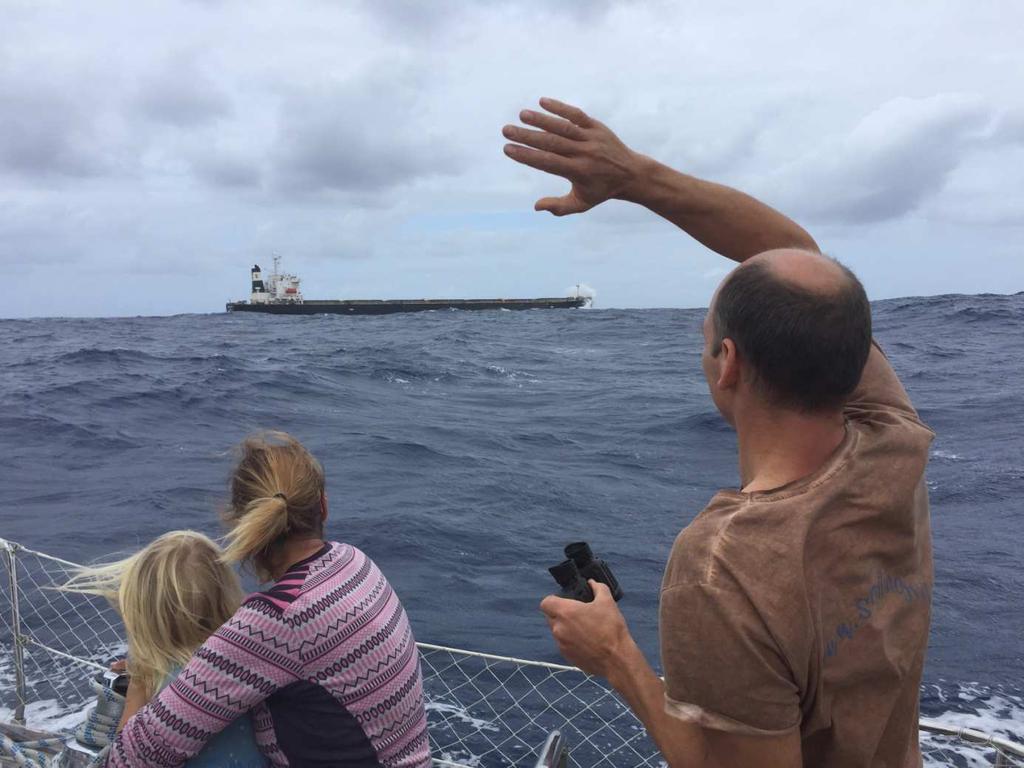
(150, 153)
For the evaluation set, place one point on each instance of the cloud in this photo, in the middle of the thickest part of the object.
(181, 94)
(895, 158)
(411, 16)
(361, 137)
(26, 228)
(968, 197)
(221, 168)
(45, 132)
(1008, 128)
(423, 20)
(367, 134)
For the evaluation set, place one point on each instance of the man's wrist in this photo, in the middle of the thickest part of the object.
(641, 175)
(625, 664)
(659, 188)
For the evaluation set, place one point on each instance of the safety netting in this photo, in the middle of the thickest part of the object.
(484, 710)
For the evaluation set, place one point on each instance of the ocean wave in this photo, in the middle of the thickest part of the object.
(62, 436)
(495, 434)
(410, 450)
(404, 375)
(32, 338)
(511, 374)
(544, 438)
(987, 314)
(706, 421)
(97, 355)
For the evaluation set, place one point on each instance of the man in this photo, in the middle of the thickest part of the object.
(794, 611)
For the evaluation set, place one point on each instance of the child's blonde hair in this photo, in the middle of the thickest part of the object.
(172, 595)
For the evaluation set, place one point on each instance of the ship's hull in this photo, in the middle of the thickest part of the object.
(394, 306)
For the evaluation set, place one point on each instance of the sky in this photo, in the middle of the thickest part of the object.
(151, 152)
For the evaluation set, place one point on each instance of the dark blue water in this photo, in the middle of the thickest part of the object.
(464, 449)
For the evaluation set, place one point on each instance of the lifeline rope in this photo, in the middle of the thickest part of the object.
(97, 732)
(100, 727)
(35, 754)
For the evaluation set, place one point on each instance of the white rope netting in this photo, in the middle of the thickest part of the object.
(495, 711)
(485, 711)
(65, 639)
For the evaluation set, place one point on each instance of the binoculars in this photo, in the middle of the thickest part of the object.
(115, 681)
(579, 566)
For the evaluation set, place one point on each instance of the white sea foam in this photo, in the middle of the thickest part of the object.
(996, 714)
(462, 715)
(580, 351)
(6, 669)
(47, 715)
(513, 375)
(938, 453)
(584, 289)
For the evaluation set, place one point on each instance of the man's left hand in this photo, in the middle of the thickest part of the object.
(579, 148)
(593, 636)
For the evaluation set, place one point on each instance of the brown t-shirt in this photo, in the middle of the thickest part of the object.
(808, 606)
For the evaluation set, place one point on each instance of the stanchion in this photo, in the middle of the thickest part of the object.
(16, 639)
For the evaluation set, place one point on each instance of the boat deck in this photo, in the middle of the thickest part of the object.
(484, 710)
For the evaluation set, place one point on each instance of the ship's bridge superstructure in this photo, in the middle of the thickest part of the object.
(279, 287)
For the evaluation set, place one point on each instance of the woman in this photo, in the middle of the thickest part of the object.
(324, 658)
(172, 596)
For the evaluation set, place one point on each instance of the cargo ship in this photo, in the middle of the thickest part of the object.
(281, 294)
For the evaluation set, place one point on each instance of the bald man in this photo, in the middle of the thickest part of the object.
(794, 609)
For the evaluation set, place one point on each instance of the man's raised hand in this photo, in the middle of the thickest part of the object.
(577, 147)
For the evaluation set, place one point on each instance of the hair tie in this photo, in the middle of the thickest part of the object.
(280, 495)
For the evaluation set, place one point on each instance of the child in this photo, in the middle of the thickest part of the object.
(172, 595)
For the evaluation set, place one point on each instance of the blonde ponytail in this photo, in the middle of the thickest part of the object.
(263, 524)
(277, 492)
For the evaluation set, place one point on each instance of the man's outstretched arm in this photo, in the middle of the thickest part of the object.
(575, 146)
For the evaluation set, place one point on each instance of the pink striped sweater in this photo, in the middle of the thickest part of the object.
(325, 660)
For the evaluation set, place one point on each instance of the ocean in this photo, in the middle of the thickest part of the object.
(463, 450)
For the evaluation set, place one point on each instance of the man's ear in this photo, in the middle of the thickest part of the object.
(728, 365)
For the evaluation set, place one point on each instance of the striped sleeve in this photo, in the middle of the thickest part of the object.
(239, 666)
